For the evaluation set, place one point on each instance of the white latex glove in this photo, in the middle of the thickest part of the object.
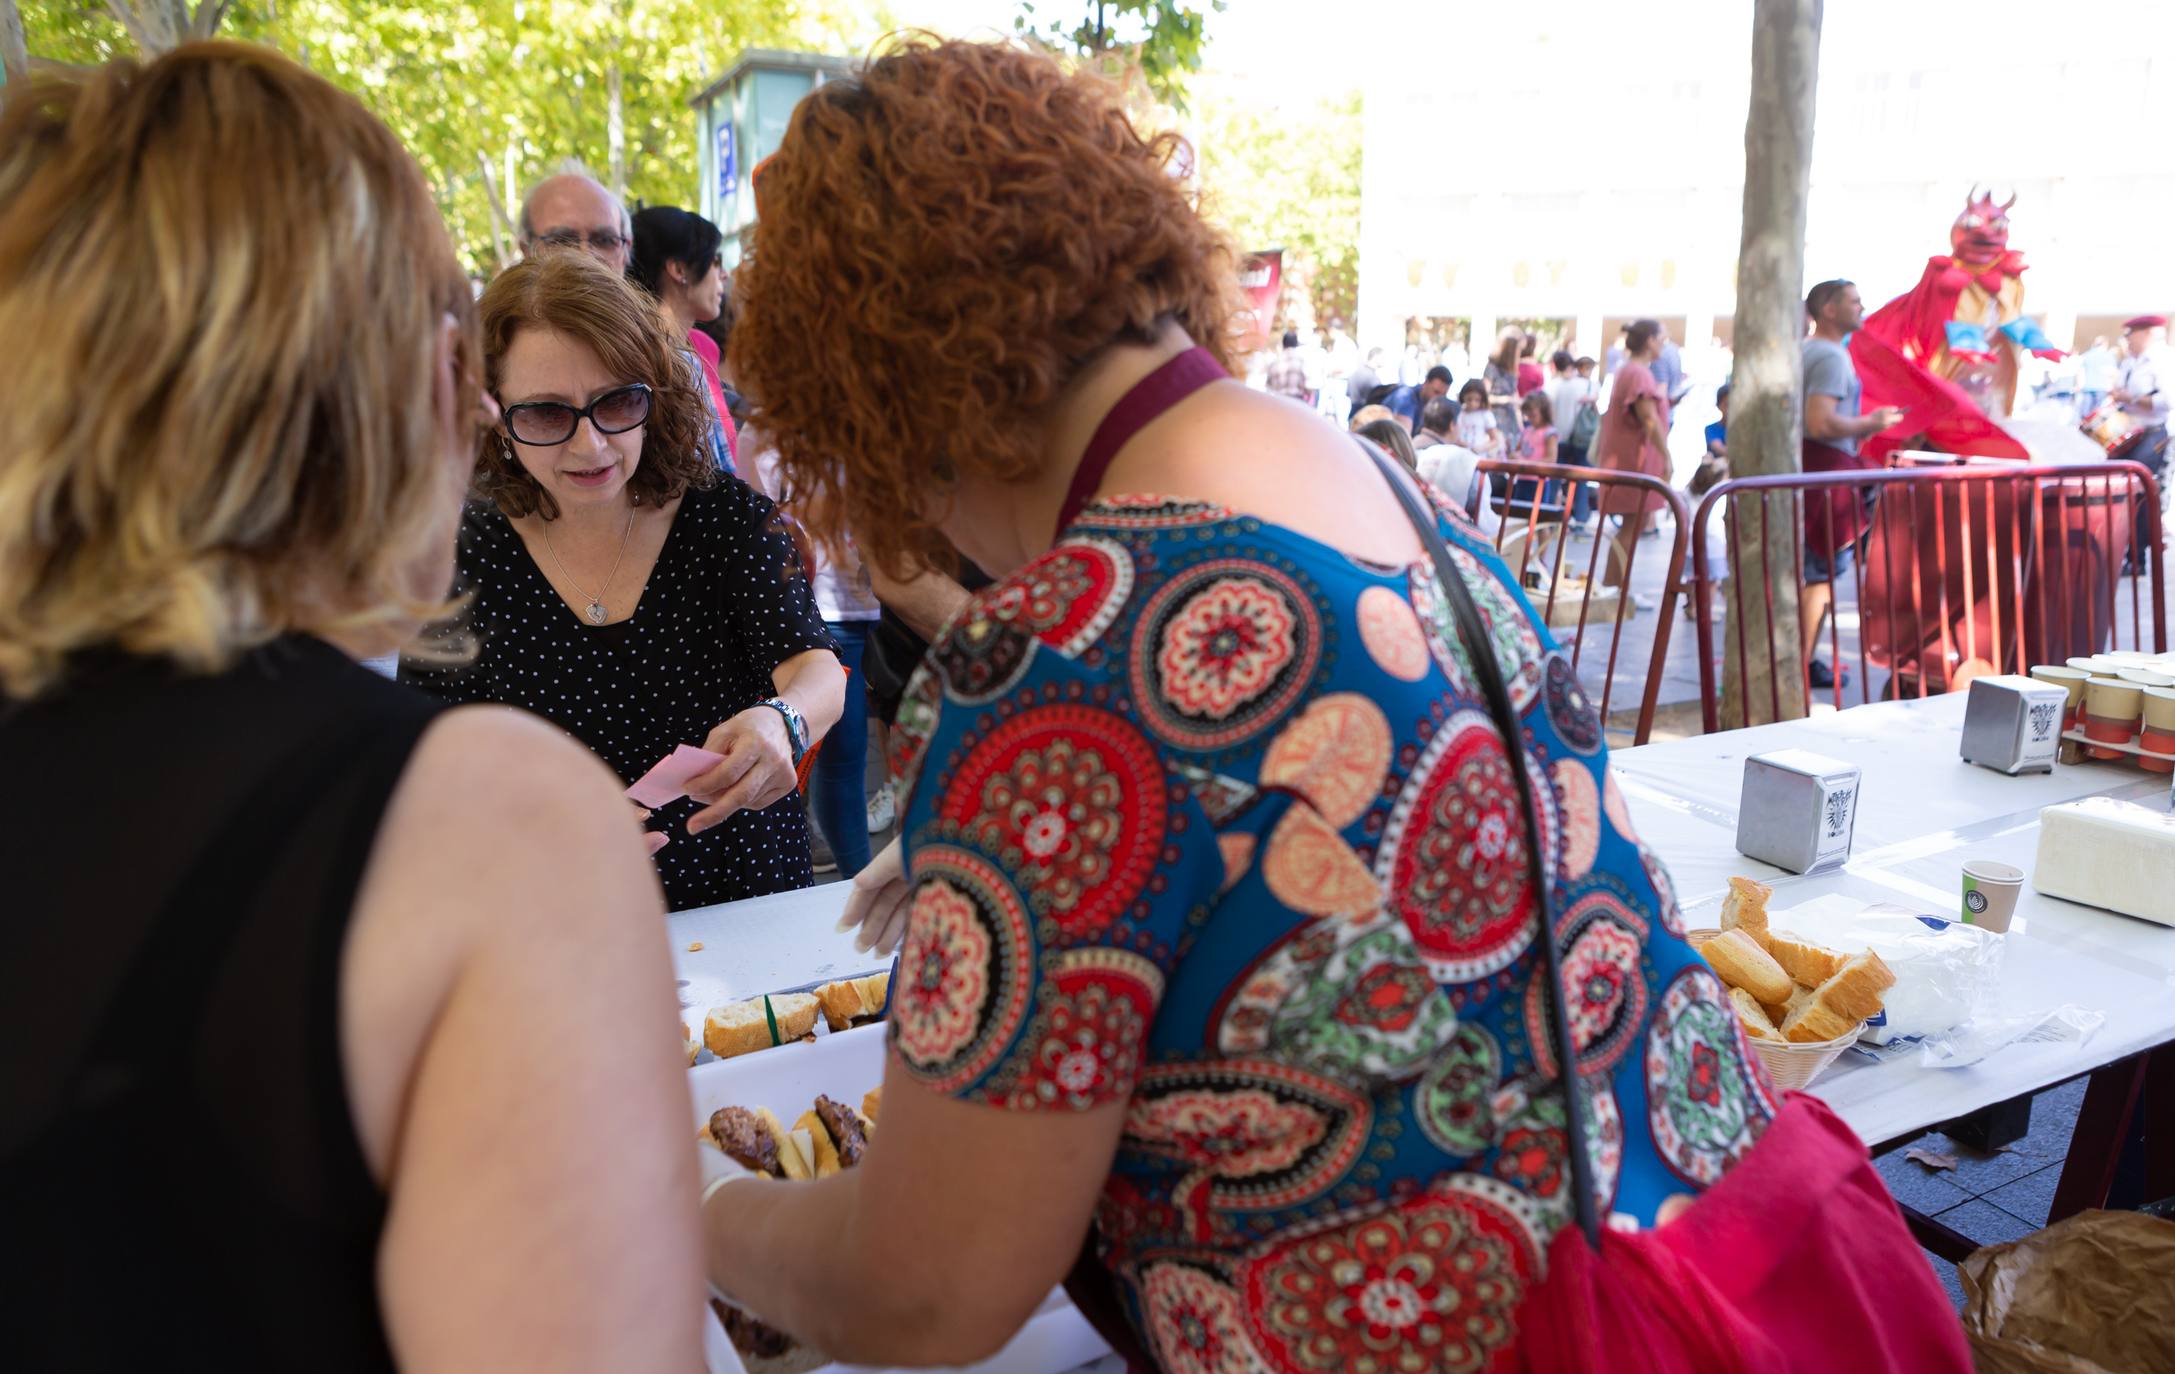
(879, 903)
(719, 1169)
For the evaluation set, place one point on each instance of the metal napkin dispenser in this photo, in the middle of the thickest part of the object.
(2013, 724)
(1798, 809)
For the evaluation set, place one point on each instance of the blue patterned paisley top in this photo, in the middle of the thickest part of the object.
(1209, 817)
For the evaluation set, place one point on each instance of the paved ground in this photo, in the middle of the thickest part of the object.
(1989, 1197)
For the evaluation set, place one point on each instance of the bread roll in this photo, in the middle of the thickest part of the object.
(1778, 1012)
(1753, 1017)
(870, 1101)
(1746, 909)
(1842, 1002)
(826, 1160)
(876, 993)
(1743, 964)
(1807, 963)
(854, 1001)
(841, 1003)
(792, 1154)
(740, 1027)
(694, 1046)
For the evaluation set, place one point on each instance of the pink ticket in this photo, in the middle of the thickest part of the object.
(667, 782)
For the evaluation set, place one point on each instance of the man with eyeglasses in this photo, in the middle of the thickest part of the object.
(572, 210)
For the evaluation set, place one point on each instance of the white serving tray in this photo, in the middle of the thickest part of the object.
(786, 1079)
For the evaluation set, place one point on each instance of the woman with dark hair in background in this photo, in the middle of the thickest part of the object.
(676, 259)
(1501, 376)
(1634, 437)
(1530, 376)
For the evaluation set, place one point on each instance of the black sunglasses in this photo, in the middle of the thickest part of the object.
(542, 423)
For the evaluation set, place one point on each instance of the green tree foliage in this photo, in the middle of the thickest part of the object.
(496, 81)
(1162, 41)
(1286, 176)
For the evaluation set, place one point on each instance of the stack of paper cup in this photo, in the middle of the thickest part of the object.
(2112, 711)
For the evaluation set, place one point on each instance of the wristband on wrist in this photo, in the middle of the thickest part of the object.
(796, 725)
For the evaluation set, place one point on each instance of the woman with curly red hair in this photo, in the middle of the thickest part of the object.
(1214, 884)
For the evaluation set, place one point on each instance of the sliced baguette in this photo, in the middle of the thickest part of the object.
(875, 993)
(1746, 909)
(741, 1027)
(841, 1003)
(870, 1101)
(854, 1001)
(1752, 1016)
(819, 1137)
(793, 1155)
(1842, 1002)
(1806, 963)
(1743, 964)
(1778, 1012)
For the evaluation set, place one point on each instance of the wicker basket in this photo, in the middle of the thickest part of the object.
(1793, 1065)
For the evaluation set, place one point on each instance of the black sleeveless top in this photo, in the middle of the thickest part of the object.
(179, 1171)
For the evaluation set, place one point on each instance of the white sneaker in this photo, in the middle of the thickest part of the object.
(882, 810)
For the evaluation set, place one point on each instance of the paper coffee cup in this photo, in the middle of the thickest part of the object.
(2112, 709)
(2158, 734)
(1990, 893)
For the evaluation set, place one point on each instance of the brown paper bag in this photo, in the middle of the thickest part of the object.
(2091, 1295)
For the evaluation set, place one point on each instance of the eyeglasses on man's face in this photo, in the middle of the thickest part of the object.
(541, 424)
(605, 241)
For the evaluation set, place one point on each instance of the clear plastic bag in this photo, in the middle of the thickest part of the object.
(1947, 973)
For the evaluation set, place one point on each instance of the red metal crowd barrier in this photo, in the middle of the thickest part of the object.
(1958, 568)
(1579, 606)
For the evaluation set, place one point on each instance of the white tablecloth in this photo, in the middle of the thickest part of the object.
(764, 944)
(1922, 812)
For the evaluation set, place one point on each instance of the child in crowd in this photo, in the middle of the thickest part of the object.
(1477, 429)
(1714, 464)
(1537, 444)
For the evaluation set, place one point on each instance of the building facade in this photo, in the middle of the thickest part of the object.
(1589, 168)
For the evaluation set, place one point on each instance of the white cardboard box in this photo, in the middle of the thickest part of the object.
(786, 1080)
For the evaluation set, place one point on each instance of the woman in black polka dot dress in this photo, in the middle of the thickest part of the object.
(617, 584)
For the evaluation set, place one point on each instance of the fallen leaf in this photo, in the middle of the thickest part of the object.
(1930, 1159)
(698, 945)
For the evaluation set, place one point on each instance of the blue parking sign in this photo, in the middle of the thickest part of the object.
(728, 178)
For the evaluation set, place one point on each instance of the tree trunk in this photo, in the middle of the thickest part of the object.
(502, 231)
(615, 132)
(1765, 405)
(14, 52)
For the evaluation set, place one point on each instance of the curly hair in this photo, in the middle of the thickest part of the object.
(573, 294)
(957, 230)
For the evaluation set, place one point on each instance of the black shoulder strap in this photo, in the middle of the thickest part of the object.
(1479, 649)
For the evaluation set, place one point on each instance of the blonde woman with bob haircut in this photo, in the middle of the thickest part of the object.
(271, 916)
